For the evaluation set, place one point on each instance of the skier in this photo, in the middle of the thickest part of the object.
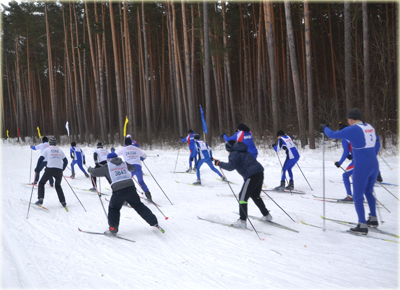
(347, 153)
(78, 157)
(192, 147)
(205, 156)
(253, 173)
(292, 156)
(42, 147)
(363, 140)
(244, 135)
(100, 159)
(134, 143)
(56, 164)
(123, 189)
(134, 156)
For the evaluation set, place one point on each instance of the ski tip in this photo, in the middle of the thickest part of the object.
(166, 217)
(262, 239)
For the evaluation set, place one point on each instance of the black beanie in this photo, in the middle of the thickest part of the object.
(99, 145)
(128, 141)
(196, 136)
(229, 145)
(45, 139)
(243, 127)
(354, 114)
(280, 133)
(73, 144)
(190, 131)
(53, 141)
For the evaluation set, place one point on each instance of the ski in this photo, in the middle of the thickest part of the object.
(275, 224)
(41, 206)
(286, 191)
(101, 193)
(335, 200)
(193, 184)
(151, 201)
(228, 225)
(376, 183)
(183, 172)
(225, 180)
(373, 229)
(128, 205)
(113, 236)
(351, 233)
(160, 229)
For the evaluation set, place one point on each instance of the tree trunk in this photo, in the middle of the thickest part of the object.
(207, 69)
(333, 65)
(347, 56)
(367, 110)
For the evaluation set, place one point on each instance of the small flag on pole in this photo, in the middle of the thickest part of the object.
(7, 134)
(126, 122)
(39, 132)
(203, 120)
(67, 126)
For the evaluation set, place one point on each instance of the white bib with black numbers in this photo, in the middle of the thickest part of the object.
(118, 172)
(101, 154)
(288, 141)
(369, 135)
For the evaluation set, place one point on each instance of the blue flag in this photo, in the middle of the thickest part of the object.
(203, 120)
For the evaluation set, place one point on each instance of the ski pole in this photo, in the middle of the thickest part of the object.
(304, 176)
(156, 182)
(387, 190)
(379, 211)
(74, 193)
(30, 169)
(323, 177)
(278, 205)
(247, 217)
(153, 155)
(30, 200)
(99, 194)
(177, 159)
(386, 163)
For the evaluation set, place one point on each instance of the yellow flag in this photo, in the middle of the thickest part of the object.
(39, 132)
(7, 134)
(126, 122)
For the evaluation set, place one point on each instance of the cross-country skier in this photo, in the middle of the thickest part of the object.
(134, 143)
(244, 135)
(192, 147)
(253, 173)
(363, 140)
(292, 156)
(56, 164)
(347, 153)
(42, 147)
(123, 189)
(205, 156)
(100, 159)
(78, 157)
(134, 156)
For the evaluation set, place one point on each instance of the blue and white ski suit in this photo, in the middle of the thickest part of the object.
(192, 147)
(247, 138)
(78, 157)
(205, 156)
(292, 155)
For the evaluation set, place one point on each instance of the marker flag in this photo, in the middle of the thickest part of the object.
(39, 132)
(7, 134)
(203, 120)
(67, 126)
(126, 122)
(19, 135)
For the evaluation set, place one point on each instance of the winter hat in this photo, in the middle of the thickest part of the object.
(99, 145)
(45, 139)
(196, 136)
(73, 144)
(128, 141)
(354, 114)
(128, 136)
(280, 133)
(229, 145)
(53, 141)
(342, 126)
(190, 131)
(243, 127)
(112, 155)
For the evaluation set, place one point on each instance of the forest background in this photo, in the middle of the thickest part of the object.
(270, 65)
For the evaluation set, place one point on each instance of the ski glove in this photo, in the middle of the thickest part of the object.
(112, 149)
(84, 162)
(142, 158)
(216, 162)
(33, 147)
(322, 127)
(350, 157)
(337, 164)
(222, 135)
(273, 145)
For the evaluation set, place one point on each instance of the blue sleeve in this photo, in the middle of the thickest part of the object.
(233, 137)
(33, 147)
(377, 144)
(183, 140)
(345, 145)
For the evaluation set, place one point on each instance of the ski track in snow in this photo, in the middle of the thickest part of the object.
(47, 251)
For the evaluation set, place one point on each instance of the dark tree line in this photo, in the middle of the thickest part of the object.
(286, 65)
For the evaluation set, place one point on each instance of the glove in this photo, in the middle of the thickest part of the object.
(33, 147)
(222, 135)
(273, 145)
(142, 158)
(84, 162)
(350, 157)
(36, 169)
(216, 162)
(112, 149)
(322, 127)
(337, 164)
(181, 137)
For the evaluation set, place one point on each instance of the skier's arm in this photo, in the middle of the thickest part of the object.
(230, 166)
(345, 145)
(95, 158)
(41, 158)
(65, 163)
(233, 137)
(72, 153)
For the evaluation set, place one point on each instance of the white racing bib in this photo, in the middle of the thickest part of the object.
(101, 154)
(118, 172)
(369, 135)
(54, 157)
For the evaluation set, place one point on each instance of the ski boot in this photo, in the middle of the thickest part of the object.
(148, 195)
(111, 232)
(360, 229)
(39, 202)
(290, 186)
(73, 175)
(189, 170)
(239, 224)
(372, 221)
(267, 218)
(197, 182)
(281, 187)
(348, 198)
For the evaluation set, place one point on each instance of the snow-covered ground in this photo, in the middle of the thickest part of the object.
(46, 250)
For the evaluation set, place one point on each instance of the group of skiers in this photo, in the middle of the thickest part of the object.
(360, 144)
